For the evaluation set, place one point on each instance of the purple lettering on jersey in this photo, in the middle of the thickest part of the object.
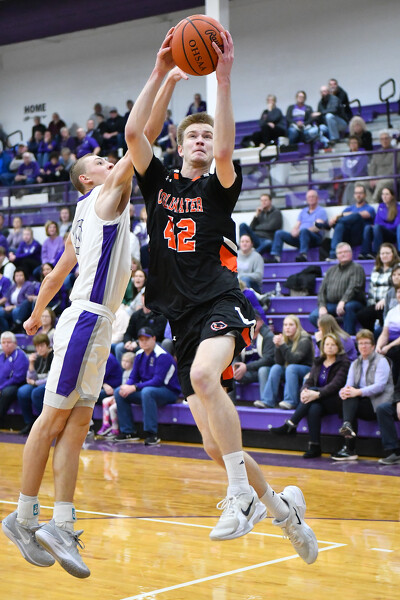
(100, 279)
(75, 353)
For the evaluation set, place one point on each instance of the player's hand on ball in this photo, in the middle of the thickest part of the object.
(225, 58)
(164, 60)
(177, 74)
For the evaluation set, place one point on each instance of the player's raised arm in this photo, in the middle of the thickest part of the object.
(157, 117)
(138, 145)
(224, 122)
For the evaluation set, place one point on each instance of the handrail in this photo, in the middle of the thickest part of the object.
(13, 133)
(386, 100)
(358, 103)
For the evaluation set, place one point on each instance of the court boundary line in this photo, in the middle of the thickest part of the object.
(152, 593)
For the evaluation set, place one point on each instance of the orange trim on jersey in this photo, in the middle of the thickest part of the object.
(228, 259)
(228, 373)
(196, 178)
(246, 336)
(176, 175)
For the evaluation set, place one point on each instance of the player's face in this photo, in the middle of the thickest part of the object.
(98, 169)
(198, 145)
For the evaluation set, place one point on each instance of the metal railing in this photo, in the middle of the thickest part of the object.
(387, 97)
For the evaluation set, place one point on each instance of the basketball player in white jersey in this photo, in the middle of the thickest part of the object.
(99, 242)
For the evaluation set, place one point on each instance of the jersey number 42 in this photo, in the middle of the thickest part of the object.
(183, 241)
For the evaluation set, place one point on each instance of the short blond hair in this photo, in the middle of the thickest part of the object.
(78, 169)
(201, 117)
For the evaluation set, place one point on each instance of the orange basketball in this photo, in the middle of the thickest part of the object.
(191, 44)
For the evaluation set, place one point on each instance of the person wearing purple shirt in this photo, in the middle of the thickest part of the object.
(304, 234)
(386, 227)
(13, 367)
(349, 226)
(67, 140)
(28, 171)
(86, 144)
(198, 105)
(5, 285)
(153, 382)
(18, 302)
(28, 253)
(112, 378)
(45, 148)
(389, 341)
(53, 244)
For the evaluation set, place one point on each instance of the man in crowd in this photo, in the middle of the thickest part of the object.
(266, 221)
(13, 368)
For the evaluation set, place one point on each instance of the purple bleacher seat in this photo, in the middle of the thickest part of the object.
(292, 304)
(284, 269)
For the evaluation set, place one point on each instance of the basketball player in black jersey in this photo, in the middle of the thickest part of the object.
(193, 282)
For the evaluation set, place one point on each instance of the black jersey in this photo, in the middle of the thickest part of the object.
(192, 239)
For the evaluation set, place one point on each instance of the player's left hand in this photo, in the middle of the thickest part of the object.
(225, 58)
(164, 60)
(32, 324)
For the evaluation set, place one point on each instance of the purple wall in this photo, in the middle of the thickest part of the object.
(23, 20)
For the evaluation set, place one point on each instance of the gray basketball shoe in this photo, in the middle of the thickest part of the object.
(25, 540)
(63, 546)
(295, 528)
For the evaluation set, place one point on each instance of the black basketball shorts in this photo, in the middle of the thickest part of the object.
(231, 313)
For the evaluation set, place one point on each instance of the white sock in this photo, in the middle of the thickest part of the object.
(28, 510)
(237, 474)
(64, 515)
(274, 503)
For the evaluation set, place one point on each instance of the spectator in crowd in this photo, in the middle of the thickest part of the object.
(349, 225)
(358, 128)
(250, 265)
(36, 143)
(299, 121)
(378, 288)
(143, 317)
(18, 303)
(37, 126)
(266, 221)
(110, 427)
(293, 359)
(6, 266)
(113, 138)
(30, 396)
(97, 114)
(272, 124)
(18, 159)
(13, 368)
(382, 165)
(93, 132)
(55, 125)
(386, 227)
(319, 395)
(129, 106)
(112, 378)
(339, 92)
(153, 382)
(138, 288)
(330, 113)
(46, 147)
(64, 225)
(86, 144)
(390, 298)
(354, 164)
(48, 320)
(342, 290)
(5, 285)
(328, 324)
(305, 234)
(6, 177)
(140, 231)
(162, 137)
(59, 301)
(29, 171)
(254, 362)
(67, 140)
(51, 170)
(3, 229)
(389, 341)
(198, 105)
(171, 158)
(28, 253)
(53, 244)
(369, 383)
(15, 235)
(67, 160)
(387, 414)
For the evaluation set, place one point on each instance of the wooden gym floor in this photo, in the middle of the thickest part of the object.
(147, 513)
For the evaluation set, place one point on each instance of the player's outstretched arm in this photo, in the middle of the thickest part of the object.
(50, 286)
(224, 122)
(157, 117)
(139, 146)
(116, 191)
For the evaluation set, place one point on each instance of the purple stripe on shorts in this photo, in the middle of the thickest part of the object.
(75, 353)
(100, 280)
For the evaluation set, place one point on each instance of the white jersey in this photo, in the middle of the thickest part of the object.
(103, 253)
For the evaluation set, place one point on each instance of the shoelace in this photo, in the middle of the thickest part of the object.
(291, 533)
(227, 506)
(78, 541)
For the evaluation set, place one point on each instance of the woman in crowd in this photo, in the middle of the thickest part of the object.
(390, 298)
(386, 227)
(64, 225)
(389, 341)
(18, 304)
(293, 358)
(139, 283)
(272, 124)
(53, 244)
(28, 254)
(320, 393)
(48, 320)
(16, 234)
(358, 128)
(378, 287)
(328, 324)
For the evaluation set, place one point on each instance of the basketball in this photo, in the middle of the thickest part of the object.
(191, 44)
